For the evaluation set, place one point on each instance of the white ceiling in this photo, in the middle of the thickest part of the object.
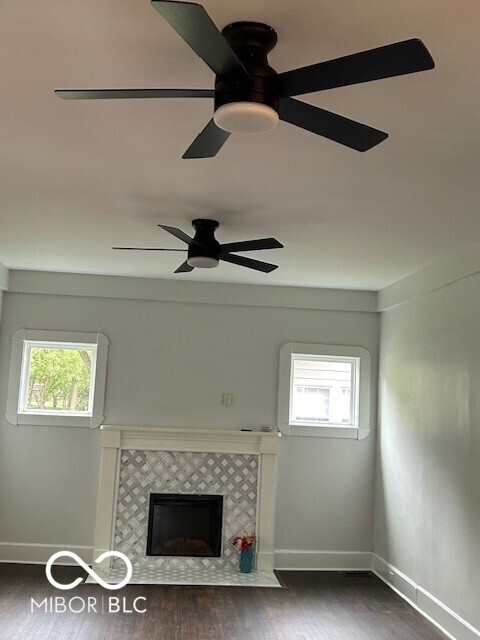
(78, 177)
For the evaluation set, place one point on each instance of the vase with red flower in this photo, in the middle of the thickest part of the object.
(245, 543)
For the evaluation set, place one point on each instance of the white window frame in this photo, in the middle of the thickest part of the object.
(360, 428)
(22, 341)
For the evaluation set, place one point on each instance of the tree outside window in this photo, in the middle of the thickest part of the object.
(59, 379)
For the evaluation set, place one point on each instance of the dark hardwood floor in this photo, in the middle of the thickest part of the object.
(313, 606)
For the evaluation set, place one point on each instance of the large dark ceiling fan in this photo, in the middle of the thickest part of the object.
(204, 251)
(250, 96)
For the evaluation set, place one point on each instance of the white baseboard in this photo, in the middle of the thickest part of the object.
(292, 559)
(27, 553)
(438, 613)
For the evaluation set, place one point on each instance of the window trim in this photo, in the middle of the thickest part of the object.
(359, 431)
(15, 383)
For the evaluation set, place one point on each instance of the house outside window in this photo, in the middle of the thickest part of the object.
(310, 403)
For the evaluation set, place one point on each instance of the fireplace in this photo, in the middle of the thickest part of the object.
(138, 461)
(185, 525)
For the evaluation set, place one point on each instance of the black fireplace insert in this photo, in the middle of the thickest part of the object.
(185, 525)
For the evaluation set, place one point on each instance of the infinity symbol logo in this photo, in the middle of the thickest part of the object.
(79, 561)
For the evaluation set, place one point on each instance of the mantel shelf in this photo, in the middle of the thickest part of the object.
(173, 439)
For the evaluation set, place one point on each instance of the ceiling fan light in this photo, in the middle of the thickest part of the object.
(245, 117)
(202, 262)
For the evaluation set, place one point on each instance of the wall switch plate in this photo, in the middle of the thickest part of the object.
(227, 399)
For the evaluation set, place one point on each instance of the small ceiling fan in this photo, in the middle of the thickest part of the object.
(205, 252)
(250, 96)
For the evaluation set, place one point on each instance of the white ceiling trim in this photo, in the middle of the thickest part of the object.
(72, 284)
(456, 266)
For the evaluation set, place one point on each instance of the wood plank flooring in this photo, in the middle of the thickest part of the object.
(313, 606)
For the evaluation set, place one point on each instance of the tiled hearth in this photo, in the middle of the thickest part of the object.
(138, 461)
(190, 577)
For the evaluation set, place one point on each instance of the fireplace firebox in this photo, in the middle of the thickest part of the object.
(185, 525)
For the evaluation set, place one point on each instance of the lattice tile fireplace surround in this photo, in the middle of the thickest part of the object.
(140, 461)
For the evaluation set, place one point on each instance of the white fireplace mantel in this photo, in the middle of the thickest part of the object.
(263, 444)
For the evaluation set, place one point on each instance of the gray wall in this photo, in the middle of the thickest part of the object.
(427, 518)
(169, 363)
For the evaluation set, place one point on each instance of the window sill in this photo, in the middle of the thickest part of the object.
(331, 431)
(49, 420)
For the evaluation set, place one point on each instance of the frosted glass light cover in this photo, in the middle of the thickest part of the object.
(202, 262)
(245, 117)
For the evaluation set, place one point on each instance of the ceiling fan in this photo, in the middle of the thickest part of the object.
(205, 252)
(250, 96)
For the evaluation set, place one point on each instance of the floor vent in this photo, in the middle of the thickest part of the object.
(357, 574)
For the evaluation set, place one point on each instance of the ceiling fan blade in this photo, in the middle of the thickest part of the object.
(391, 60)
(184, 268)
(195, 26)
(330, 125)
(145, 249)
(252, 245)
(242, 261)
(208, 142)
(108, 94)
(178, 233)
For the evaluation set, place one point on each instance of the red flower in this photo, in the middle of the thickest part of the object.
(245, 544)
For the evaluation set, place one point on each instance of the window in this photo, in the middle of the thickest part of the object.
(318, 389)
(57, 378)
(324, 390)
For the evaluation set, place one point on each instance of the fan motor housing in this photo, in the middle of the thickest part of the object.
(204, 243)
(251, 41)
